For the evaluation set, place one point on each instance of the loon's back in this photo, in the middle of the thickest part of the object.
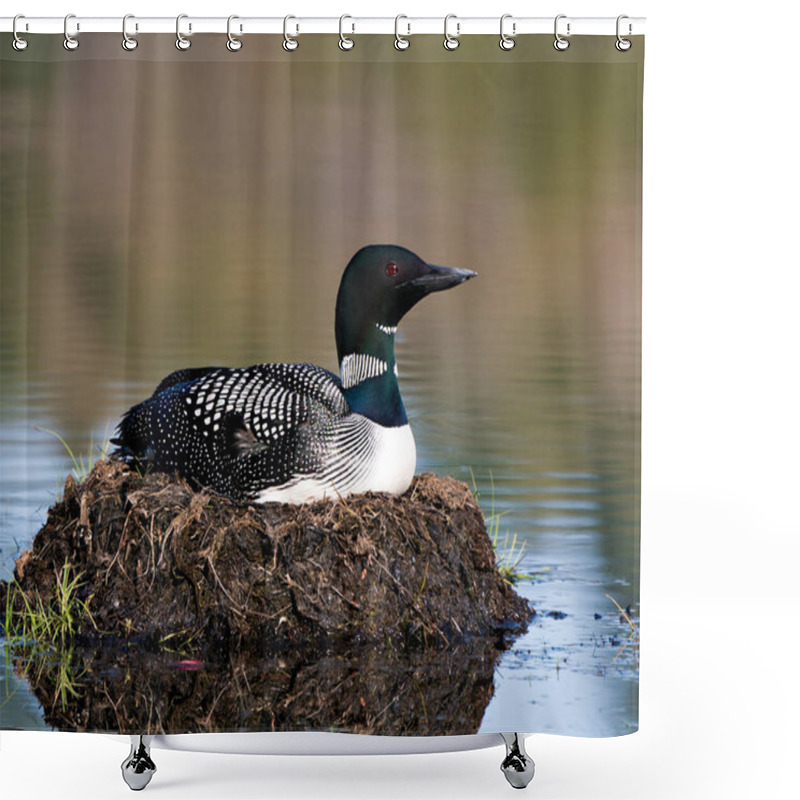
(271, 432)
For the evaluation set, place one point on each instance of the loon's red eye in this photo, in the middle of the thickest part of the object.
(391, 269)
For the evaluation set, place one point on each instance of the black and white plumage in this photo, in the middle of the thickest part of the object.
(297, 432)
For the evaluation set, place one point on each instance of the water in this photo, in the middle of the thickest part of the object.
(155, 216)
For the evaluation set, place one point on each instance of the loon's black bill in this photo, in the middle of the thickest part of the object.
(440, 278)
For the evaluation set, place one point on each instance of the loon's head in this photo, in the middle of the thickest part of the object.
(380, 285)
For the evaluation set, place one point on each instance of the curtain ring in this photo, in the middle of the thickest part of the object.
(233, 44)
(128, 42)
(290, 43)
(70, 42)
(507, 42)
(560, 42)
(400, 42)
(451, 42)
(621, 44)
(182, 42)
(18, 43)
(345, 43)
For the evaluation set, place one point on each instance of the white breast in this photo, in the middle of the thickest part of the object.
(394, 461)
(387, 464)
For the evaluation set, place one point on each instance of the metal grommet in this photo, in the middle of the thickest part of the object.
(233, 44)
(400, 42)
(290, 43)
(70, 42)
(18, 43)
(128, 42)
(182, 42)
(507, 42)
(560, 42)
(623, 45)
(345, 43)
(451, 42)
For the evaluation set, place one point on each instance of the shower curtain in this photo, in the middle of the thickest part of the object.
(166, 209)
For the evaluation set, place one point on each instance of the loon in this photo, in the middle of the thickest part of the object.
(295, 433)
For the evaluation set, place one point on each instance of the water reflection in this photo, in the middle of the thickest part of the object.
(156, 215)
(431, 692)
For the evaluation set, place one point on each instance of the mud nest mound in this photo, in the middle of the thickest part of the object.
(160, 562)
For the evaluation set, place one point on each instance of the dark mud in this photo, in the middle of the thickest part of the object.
(161, 563)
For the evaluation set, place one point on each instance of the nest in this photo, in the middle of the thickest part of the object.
(160, 562)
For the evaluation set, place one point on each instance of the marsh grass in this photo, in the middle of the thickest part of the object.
(82, 463)
(60, 668)
(54, 622)
(633, 637)
(42, 632)
(62, 671)
(180, 642)
(509, 552)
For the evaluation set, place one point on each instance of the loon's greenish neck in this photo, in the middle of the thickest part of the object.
(369, 377)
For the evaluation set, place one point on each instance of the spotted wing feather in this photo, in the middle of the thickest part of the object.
(238, 430)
